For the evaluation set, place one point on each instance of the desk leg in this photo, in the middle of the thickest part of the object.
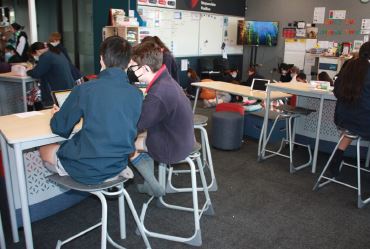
(23, 196)
(196, 99)
(314, 162)
(265, 123)
(24, 93)
(9, 190)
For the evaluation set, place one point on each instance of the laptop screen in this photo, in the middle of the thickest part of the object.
(259, 84)
(60, 96)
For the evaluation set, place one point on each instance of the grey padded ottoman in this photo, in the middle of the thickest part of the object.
(227, 130)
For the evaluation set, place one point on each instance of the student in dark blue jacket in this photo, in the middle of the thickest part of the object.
(52, 69)
(166, 116)
(110, 108)
(352, 111)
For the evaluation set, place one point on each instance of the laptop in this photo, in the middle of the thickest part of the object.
(259, 84)
(60, 96)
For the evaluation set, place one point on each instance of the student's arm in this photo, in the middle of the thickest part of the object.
(68, 116)
(152, 113)
(41, 68)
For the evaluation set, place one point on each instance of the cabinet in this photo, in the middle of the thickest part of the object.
(130, 33)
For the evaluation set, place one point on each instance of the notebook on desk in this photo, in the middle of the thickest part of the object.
(60, 96)
(259, 84)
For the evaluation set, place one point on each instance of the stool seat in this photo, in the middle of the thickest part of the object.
(227, 130)
(288, 109)
(68, 182)
(200, 119)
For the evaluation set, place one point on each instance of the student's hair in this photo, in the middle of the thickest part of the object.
(301, 76)
(324, 76)
(157, 41)
(55, 36)
(17, 26)
(10, 48)
(295, 70)
(148, 53)
(193, 74)
(116, 52)
(353, 75)
(36, 46)
(252, 69)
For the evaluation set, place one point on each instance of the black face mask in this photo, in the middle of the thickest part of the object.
(132, 76)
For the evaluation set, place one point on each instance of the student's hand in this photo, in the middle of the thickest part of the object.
(54, 110)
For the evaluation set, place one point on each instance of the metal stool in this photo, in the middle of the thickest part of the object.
(288, 113)
(360, 201)
(100, 191)
(2, 237)
(195, 239)
(200, 122)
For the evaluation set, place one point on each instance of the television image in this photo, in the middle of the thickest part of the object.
(260, 33)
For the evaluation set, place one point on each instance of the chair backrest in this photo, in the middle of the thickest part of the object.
(259, 84)
(230, 107)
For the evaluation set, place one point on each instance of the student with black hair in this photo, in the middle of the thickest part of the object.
(110, 107)
(21, 40)
(352, 110)
(52, 69)
(324, 76)
(301, 77)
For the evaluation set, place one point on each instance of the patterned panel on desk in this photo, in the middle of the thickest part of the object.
(39, 187)
(328, 129)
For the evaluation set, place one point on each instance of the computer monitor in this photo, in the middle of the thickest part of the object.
(259, 84)
(60, 96)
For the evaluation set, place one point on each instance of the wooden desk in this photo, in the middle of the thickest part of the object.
(13, 89)
(236, 89)
(16, 135)
(302, 89)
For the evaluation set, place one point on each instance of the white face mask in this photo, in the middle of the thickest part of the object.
(284, 72)
(54, 43)
(36, 57)
(234, 75)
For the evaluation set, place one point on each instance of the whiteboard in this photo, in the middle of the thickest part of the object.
(189, 33)
(185, 33)
(210, 34)
(230, 35)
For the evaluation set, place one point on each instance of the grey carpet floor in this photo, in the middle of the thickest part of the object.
(257, 205)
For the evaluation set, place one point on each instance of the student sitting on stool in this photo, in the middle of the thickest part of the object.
(166, 116)
(352, 111)
(110, 108)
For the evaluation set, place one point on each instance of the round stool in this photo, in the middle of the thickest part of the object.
(227, 130)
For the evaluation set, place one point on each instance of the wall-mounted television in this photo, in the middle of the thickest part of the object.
(262, 33)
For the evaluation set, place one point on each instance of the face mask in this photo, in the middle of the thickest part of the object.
(36, 58)
(284, 72)
(54, 43)
(234, 75)
(7, 56)
(132, 76)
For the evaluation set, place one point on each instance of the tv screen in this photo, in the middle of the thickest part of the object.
(257, 33)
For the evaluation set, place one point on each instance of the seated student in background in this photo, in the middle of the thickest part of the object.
(232, 76)
(285, 73)
(221, 97)
(324, 76)
(192, 77)
(11, 55)
(294, 71)
(252, 73)
(110, 108)
(166, 117)
(168, 58)
(352, 111)
(301, 77)
(52, 69)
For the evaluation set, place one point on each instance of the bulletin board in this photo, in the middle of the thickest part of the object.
(189, 33)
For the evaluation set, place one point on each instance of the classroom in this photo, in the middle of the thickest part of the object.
(184, 124)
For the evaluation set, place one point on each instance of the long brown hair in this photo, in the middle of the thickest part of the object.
(157, 41)
(352, 75)
(193, 74)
